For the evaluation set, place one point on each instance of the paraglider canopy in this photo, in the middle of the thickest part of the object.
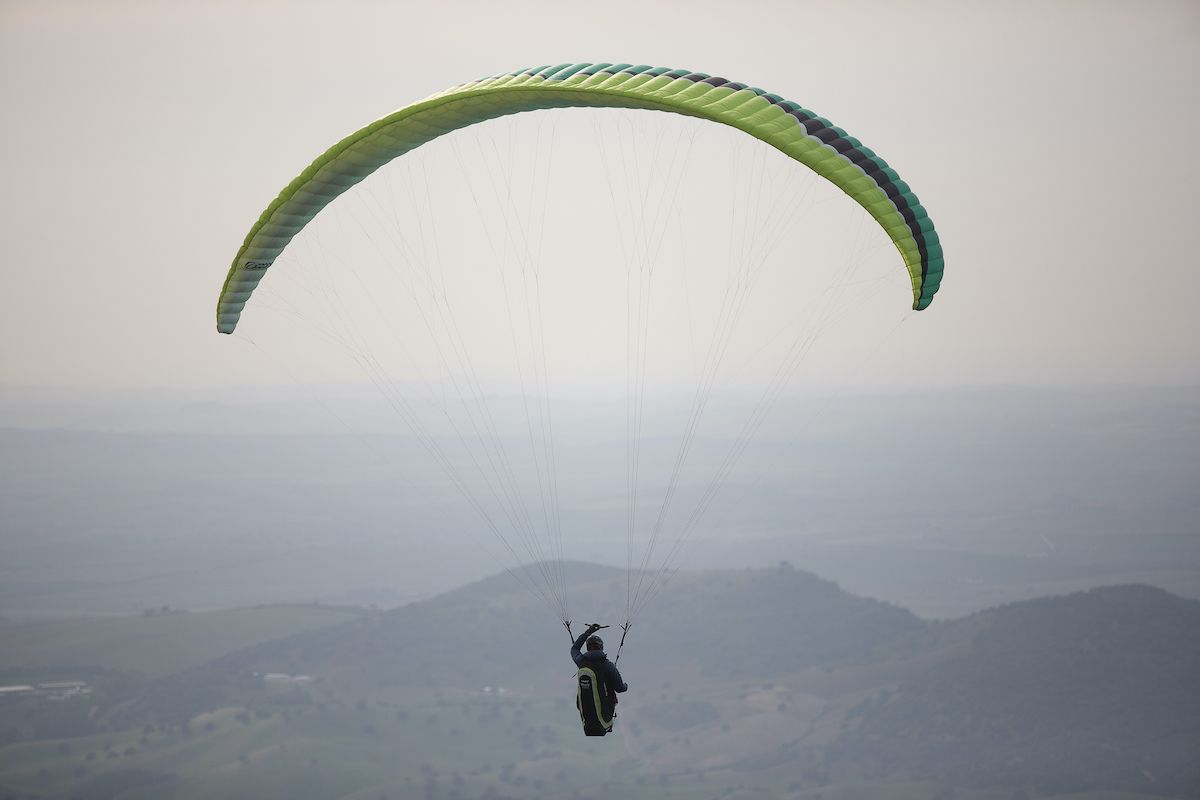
(783, 124)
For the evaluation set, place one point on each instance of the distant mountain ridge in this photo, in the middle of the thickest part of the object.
(749, 624)
(1095, 690)
(1090, 691)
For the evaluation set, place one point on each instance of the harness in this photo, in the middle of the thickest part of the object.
(595, 707)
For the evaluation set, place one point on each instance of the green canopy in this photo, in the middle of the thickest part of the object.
(797, 132)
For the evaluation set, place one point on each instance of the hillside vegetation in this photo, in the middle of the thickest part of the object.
(755, 683)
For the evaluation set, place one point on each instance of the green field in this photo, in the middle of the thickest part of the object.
(155, 645)
(418, 746)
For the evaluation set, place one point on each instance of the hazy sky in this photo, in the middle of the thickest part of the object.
(1053, 144)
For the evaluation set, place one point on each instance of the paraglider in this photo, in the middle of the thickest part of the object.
(801, 135)
(598, 682)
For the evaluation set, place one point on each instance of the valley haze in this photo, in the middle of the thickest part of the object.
(114, 503)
